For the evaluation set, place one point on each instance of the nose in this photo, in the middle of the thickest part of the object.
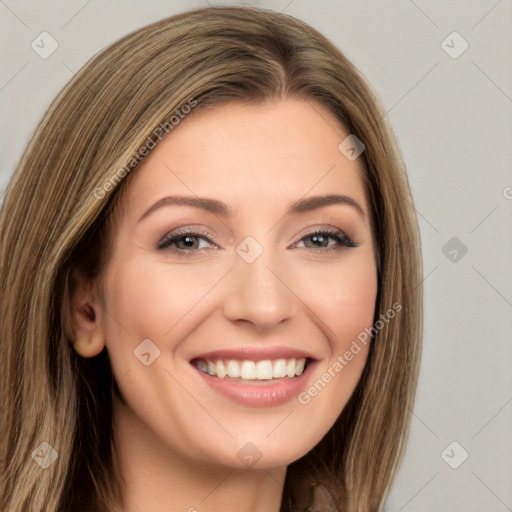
(259, 293)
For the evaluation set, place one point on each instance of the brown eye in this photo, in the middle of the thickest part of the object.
(185, 241)
(321, 240)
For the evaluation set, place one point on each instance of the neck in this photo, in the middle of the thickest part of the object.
(156, 477)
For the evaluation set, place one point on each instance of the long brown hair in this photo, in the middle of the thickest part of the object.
(53, 220)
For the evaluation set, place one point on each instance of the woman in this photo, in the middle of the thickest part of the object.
(211, 280)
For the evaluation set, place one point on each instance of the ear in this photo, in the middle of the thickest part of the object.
(86, 317)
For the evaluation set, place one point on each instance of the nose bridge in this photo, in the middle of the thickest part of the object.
(258, 293)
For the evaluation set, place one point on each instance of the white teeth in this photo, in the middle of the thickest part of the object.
(290, 368)
(233, 369)
(264, 369)
(248, 370)
(280, 368)
(220, 369)
(299, 366)
(251, 370)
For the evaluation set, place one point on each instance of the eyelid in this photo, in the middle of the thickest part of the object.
(183, 231)
(343, 241)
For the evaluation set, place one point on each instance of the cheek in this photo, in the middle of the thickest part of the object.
(148, 302)
(345, 301)
(343, 297)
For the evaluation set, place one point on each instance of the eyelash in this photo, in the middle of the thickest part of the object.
(342, 241)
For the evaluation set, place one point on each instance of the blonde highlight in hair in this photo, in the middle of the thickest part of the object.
(52, 223)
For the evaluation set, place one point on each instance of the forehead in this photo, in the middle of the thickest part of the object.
(277, 151)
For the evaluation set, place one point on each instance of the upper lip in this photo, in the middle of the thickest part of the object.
(255, 353)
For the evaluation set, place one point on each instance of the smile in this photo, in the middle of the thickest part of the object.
(266, 369)
(255, 376)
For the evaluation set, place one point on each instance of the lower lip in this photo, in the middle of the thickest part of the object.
(259, 395)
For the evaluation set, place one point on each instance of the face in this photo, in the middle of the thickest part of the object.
(213, 304)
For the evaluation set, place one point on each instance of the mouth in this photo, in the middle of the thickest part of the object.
(258, 379)
(253, 372)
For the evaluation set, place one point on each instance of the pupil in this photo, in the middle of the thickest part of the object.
(318, 238)
(189, 240)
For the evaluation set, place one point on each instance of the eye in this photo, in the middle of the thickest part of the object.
(184, 241)
(321, 238)
(187, 242)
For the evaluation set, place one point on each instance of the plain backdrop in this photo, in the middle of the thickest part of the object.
(443, 72)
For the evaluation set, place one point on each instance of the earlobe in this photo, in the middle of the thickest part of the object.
(89, 344)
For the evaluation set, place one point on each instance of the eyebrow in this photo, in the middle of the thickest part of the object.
(219, 208)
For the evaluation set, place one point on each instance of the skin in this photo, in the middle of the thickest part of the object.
(177, 438)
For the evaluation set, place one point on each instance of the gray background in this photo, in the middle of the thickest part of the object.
(452, 117)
